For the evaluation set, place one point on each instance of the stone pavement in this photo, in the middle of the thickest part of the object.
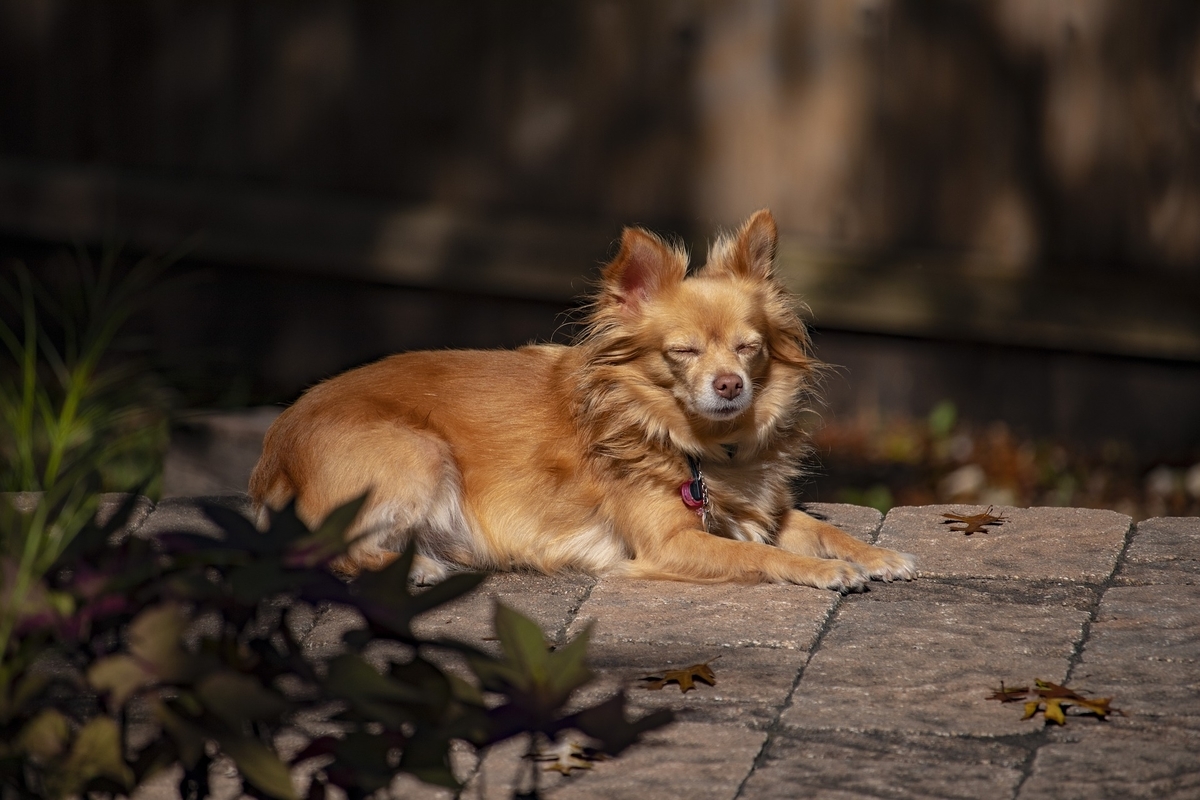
(880, 694)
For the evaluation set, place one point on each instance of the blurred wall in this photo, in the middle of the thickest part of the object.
(1041, 135)
(1012, 174)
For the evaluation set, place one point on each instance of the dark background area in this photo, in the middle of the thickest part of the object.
(992, 203)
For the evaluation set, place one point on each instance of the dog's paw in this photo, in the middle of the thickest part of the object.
(841, 576)
(889, 565)
(427, 571)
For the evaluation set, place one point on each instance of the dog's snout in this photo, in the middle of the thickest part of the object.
(727, 386)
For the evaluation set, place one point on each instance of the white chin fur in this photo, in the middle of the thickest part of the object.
(721, 410)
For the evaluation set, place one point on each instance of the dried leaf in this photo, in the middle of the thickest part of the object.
(567, 755)
(685, 677)
(974, 523)
(1064, 696)
(1006, 695)
(1054, 700)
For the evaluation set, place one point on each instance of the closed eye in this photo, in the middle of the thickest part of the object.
(682, 352)
(748, 348)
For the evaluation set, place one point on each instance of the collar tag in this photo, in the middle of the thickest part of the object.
(694, 493)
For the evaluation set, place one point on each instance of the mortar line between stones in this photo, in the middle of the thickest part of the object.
(1077, 653)
(1101, 589)
(776, 722)
(153, 507)
(572, 613)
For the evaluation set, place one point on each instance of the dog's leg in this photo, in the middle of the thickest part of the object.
(804, 535)
(700, 557)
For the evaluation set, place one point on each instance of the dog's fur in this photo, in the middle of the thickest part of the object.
(556, 457)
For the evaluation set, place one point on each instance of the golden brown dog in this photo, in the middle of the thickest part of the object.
(663, 444)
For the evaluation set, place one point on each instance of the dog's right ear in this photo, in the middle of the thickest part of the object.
(643, 267)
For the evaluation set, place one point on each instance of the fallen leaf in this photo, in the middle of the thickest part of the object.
(1006, 695)
(1100, 706)
(685, 677)
(567, 755)
(974, 523)
(1054, 700)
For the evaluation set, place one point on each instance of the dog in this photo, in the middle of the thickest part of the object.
(662, 444)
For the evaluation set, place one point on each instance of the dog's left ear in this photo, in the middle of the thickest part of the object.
(751, 253)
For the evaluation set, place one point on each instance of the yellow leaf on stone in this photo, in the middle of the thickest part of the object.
(1054, 711)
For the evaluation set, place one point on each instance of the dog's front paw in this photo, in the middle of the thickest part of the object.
(889, 565)
(841, 576)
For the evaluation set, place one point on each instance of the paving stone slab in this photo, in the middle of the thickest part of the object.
(859, 521)
(324, 637)
(1064, 594)
(1048, 544)
(1163, 550)
(732, 615)
(1100, 761)
(549, 600)
(684, 760)
(716, 615)
(928, 666)
(832, 765)
(186, 515)
(1144, 650)
(752, 683)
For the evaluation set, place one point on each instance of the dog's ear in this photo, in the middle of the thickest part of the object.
(751, 253)
(642, 268)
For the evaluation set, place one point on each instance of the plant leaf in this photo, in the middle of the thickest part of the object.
(45, 736)
(372, 695)
(259, 765)
(329, 538)
(155, 655)
(95, 753)
(235, 698)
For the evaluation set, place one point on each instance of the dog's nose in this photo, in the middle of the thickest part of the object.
(727, 386)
